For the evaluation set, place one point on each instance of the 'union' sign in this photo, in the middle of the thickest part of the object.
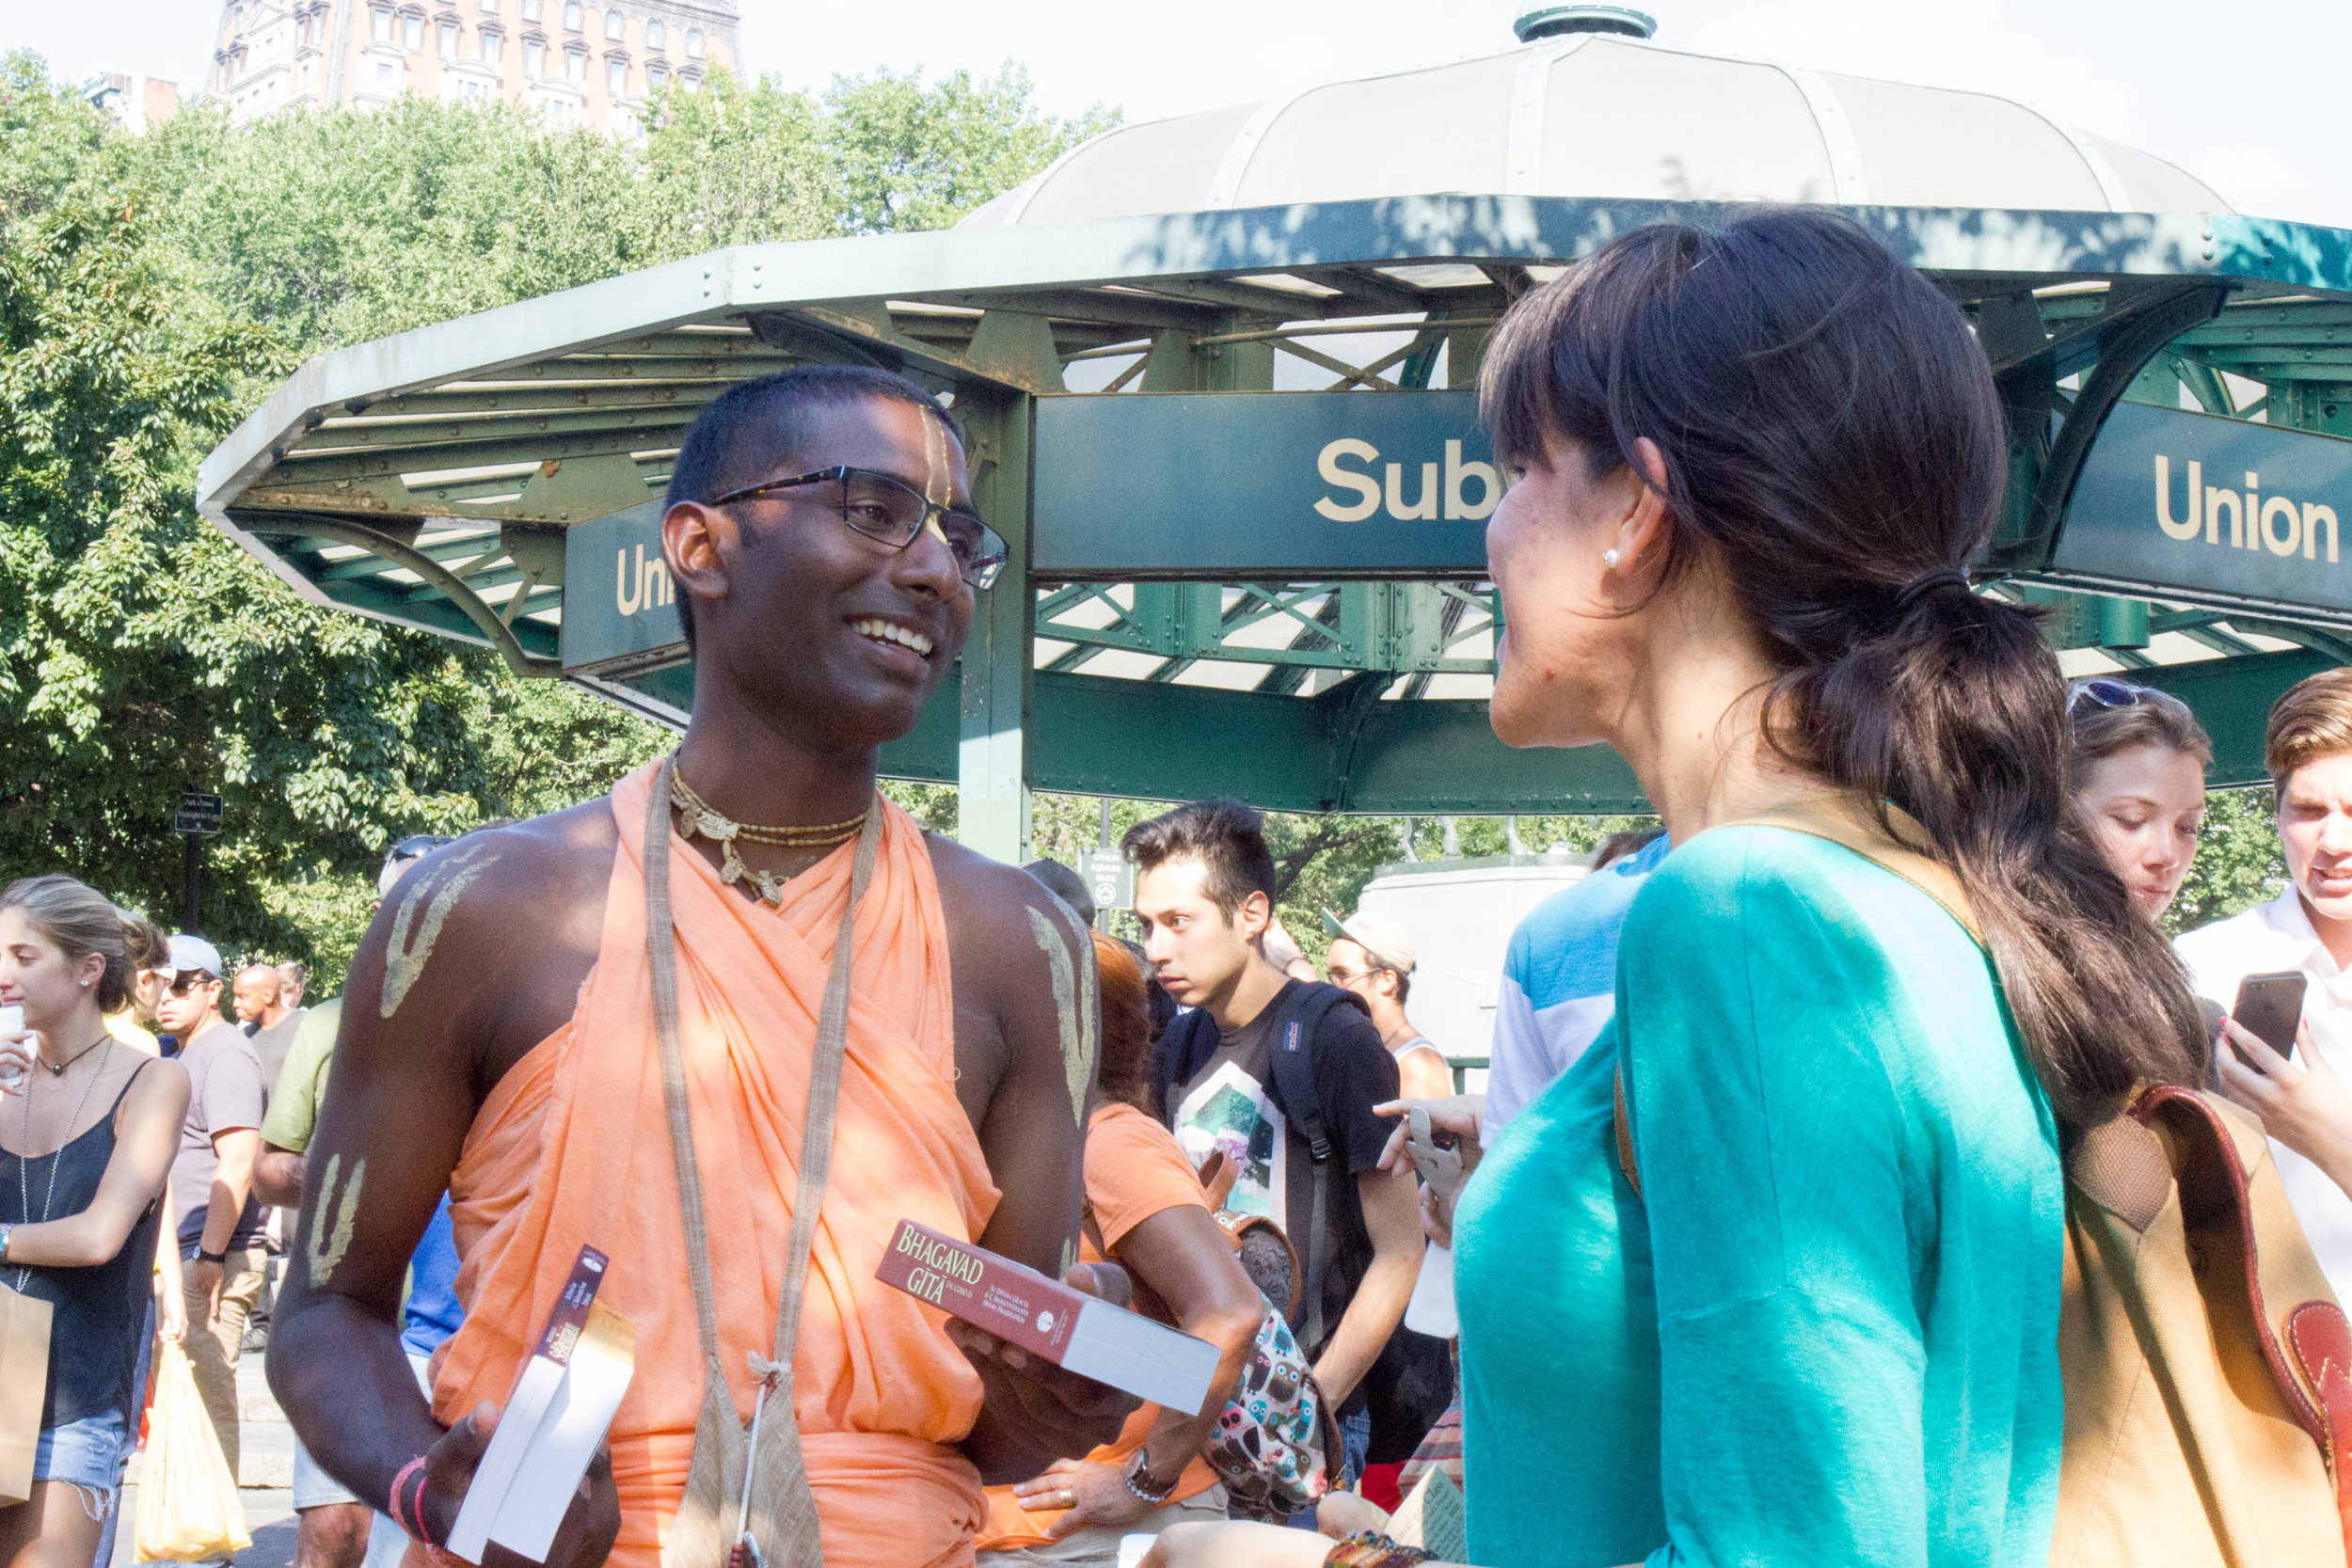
(2222, 510)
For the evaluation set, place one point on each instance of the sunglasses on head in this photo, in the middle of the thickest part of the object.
(2105, 691)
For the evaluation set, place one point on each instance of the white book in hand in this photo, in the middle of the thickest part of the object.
(564, 1400)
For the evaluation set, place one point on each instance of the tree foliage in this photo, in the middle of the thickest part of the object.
(2237, 866)
(154, 287)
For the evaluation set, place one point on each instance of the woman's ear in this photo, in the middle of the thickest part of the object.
(1643, 531)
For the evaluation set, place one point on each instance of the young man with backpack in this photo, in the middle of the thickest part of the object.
(1282, 1076)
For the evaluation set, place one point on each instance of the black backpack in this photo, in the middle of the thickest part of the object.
(1412, 1383)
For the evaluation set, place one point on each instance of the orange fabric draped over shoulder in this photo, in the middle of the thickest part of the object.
(573, 1149)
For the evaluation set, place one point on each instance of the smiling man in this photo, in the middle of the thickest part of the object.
(504, 1037)
(2308, 928)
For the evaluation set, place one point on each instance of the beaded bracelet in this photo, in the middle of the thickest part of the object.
(1370, 1549)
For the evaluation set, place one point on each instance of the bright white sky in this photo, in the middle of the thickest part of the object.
(2253, 107)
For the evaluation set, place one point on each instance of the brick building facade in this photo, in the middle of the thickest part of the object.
(576, 62)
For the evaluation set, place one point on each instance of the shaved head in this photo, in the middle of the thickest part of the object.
(254, 993)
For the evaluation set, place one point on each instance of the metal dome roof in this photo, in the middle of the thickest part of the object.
(1596, 115)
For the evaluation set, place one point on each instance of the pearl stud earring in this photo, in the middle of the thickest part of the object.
(1609, 558)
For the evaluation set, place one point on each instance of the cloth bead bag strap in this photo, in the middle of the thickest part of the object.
(747, 1488)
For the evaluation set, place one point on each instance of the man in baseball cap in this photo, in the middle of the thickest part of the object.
(190, 955)
(1374, 957)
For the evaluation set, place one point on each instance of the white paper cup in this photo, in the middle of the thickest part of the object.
(1132, 1547)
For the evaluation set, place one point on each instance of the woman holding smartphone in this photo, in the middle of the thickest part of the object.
(88, 1129)
(1752, 466)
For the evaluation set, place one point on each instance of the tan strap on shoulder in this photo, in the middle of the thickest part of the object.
(775, 1511)
(1846, 821)
(1850, 822)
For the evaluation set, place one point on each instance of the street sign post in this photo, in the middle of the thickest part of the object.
(198, 819)
(199, 814)
(1109, 877)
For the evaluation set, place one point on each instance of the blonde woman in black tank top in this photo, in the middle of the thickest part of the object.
(88, 1129)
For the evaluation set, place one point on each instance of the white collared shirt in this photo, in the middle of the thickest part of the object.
(2271, 938)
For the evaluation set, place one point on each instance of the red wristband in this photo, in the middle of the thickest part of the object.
(413, 1518)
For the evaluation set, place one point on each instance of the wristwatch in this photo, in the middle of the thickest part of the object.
(204, 1257)
(1147, 1486)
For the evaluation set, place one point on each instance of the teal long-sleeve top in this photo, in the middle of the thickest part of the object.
(1825, 1333)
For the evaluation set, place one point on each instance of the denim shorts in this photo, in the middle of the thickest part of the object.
(313, 1486)
(84, 1454)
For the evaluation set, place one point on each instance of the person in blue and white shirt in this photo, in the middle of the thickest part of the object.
(1560, 976)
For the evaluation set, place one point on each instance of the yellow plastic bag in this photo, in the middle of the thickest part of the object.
(188, 1503)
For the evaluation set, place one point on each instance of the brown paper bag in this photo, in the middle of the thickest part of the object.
(23, 1385)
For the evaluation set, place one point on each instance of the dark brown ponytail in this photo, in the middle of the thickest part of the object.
(1832, 435)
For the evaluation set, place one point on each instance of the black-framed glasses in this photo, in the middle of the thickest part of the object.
(181, 982)
(2106, 691)
(885, 507)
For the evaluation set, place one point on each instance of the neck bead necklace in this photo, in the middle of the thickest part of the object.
(696, 819)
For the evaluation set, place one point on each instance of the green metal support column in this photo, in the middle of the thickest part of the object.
(992, 764)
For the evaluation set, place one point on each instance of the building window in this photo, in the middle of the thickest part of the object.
(489, 7)
(383, 73)
(571, 16)
(493, 42)
(656, 78)
(612, 24)
(530, 11)
(448, 37)
(380, 25)
(654, 35)
(534, 58)
(575, 64)
(616, 77)
(412, 34)
(693, 43)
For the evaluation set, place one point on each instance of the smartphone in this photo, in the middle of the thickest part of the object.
(11, 1020)
(2270, 1006)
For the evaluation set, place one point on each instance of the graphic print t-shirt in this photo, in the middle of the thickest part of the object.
(1228, 1105)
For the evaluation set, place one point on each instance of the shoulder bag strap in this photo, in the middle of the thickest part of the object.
(767, 1481)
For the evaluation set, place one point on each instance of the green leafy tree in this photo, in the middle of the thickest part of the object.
(737, 164)
(2237, 866)
(145, 653)
(910, 156)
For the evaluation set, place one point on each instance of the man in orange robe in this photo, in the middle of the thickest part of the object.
(500, 1040)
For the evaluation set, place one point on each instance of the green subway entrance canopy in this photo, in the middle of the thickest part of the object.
(1217, 374)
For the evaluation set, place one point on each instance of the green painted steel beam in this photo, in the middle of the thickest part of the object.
(1090, 735)
(2232, 698)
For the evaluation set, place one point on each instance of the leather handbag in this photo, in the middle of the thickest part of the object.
(2207, 1367)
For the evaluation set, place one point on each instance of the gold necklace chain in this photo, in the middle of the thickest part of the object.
(696, 819)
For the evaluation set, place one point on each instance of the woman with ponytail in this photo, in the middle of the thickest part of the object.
(1752, 467)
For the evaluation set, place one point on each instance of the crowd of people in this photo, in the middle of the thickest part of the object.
(1757, 1231)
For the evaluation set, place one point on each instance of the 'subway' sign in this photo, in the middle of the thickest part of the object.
(1238, 484)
